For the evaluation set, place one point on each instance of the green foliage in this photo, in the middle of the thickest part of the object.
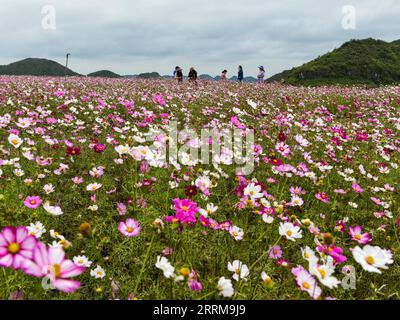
(369, 61)
(36, 67)
(104, 74)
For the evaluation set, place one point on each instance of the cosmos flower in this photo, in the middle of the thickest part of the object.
(236, 232)
(306, 282)
(372, 259)
(322, 196)
(290, 231)
(16, 246)
(15, 140)
(240, 270)
(225, 287)
(93, 186)
(253, 191)
(51, 263)
(185, 210)
(357, 235)
(164, 265)
(98, 272)
(33, 202)
(129, 228)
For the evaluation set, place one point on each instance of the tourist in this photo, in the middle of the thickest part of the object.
(261, 75)
(240, 74)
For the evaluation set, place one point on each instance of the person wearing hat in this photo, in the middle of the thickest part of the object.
(192, 75)
(178, 74)
(261, 75)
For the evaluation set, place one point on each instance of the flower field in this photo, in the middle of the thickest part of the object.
(91, 208)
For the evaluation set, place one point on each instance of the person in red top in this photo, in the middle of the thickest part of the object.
(223, 75)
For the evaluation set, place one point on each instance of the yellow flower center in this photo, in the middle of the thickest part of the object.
(14, 248)
(237, 271)
(306, 285)
(185, 208)
(14, 141)
(358, 237)
(289, 233)
(370, 260)
(129, 229)
(322, 272)
(56, 270)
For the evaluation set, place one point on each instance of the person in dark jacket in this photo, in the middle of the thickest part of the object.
(192, 74)
(240, 74)
(178, 74)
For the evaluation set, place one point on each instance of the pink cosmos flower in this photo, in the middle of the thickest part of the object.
(322, 196)
(186, 210)
(357, 188)
(356, 235)
(32, 202)
(283, 149)
(51, 263)
(121, 208)
(16, 245)
(195, 285)
(99, 147)
(275, 252)
(306, 282)
(130, 228)
(335, 252)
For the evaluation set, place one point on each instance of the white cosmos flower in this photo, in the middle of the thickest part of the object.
(122, 149)
(290, 231)
(225, 287)
(98, 272)
(267, 218)
(82, 261)
(240, 270)
(324, 272)
(166, 267)
(54, 210)
(253, 191)
(93, 186)
(372, 258)
(48, 188)
(15, 140)
(210, 209)
(36, 229)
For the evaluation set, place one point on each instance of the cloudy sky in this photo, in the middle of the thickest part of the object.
(133, 36)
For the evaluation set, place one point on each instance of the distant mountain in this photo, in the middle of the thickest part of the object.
(149, 75)
(36, 67)
(104, 74)
(367, 61)
(205, 77)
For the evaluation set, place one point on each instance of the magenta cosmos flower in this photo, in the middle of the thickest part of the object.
(322, 196)
(357, 235)
(51, 263)
(16, 245)
(33, 202)
(186, 210)
(130, 228)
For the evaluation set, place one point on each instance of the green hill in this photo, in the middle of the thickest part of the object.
(36, 67)
(149, 75)
(104, 74)
(368, 61)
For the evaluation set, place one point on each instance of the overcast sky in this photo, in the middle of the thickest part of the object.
(133, 36)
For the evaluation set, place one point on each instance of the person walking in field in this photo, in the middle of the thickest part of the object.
(240, 74)
(223, 75)
(192, 75)
(261, 75)
(178, 74)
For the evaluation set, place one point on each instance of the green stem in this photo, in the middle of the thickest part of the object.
(207, 295)
(144, 265)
